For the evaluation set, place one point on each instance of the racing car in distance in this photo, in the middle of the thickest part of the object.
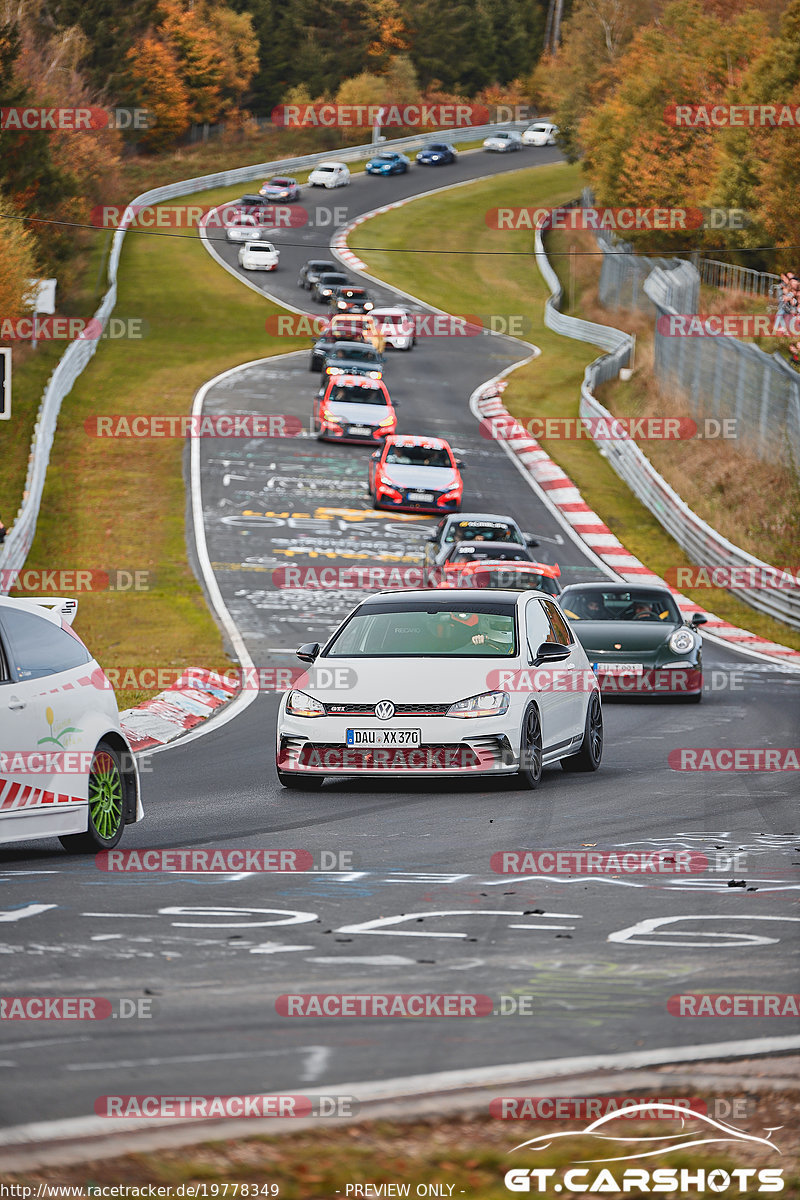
(345, 327)
(415, 474)
(470, 527)
(355, 409)
(636, 639)
(482, 564)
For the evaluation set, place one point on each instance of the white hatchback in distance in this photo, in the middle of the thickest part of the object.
(504, 141)
(329, 175)
(66, 768)
(258, 256)
(542, 133)
(452, 682)
(396, 326)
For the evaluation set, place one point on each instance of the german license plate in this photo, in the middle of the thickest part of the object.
(621, 668)
(427, 496)
(360, 430)
(368, 738)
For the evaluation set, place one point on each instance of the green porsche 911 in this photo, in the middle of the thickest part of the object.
(636, 639)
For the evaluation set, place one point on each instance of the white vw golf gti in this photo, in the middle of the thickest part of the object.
(461, 683)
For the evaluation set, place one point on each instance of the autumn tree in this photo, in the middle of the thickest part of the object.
(17, 260)
(759, 168)
(154, 79)
(633, 155)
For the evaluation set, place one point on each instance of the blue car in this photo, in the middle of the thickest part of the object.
(388, 162)
(280, 188)
(437, 154)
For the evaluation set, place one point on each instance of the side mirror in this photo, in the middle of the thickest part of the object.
(551, 652)
(308, 652)
(430, 541)
(530, 540)
(462, 466)
(375, 457)
(698, 619)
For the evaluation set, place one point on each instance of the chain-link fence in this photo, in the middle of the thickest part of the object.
(725, 378)
(721, 377)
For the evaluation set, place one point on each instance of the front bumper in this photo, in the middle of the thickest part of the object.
(426, 506)
(666, 681)
(318, 747)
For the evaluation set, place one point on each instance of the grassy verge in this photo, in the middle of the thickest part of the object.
(120, 503)
(500, 282)
(463, 1156)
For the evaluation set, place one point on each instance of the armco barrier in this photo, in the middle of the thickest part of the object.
(702, 544)
(18, 542)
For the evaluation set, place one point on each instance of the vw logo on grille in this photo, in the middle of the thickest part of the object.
(384, 710)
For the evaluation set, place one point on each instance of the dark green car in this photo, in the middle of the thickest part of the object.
(636, 639)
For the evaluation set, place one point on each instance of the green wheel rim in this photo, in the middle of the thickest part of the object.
(105, 795)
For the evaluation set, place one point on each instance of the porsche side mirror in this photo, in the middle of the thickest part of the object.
(308, 652)
(551, 652)
(698, 619)
(530, 540)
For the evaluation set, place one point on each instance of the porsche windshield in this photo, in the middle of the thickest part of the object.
(638, 604)
(381, 632)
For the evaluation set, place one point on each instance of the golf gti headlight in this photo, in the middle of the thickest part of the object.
(681, 641)
(488, 704)
(301, 705)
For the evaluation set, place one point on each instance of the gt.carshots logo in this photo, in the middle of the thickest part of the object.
(697, 1129)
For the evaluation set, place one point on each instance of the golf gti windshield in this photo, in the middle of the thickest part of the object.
(387, 631)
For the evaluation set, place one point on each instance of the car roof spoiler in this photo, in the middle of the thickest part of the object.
(62, 607)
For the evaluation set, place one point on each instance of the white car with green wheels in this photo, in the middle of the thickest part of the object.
(67, 771)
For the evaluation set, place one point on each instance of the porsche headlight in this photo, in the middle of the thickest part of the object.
(681, 641)
(487, 704)
(299, 704)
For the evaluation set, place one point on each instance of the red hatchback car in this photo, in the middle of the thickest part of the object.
(416, 474)
(355, 409)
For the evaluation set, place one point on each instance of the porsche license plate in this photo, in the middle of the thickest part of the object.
(620, 668)
(384, 737)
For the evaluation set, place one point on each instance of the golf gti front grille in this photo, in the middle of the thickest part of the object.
(400, 710)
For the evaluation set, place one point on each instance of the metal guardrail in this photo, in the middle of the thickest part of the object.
(702, 544)
(740, 279)
(20, 536)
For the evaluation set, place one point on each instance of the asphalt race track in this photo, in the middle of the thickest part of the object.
(413, 905)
